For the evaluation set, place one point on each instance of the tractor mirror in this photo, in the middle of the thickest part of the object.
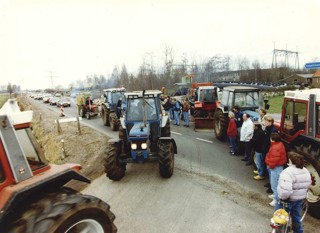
(267, 106)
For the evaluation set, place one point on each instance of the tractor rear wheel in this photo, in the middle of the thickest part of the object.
(166, 158)
(104, 116)
(220, 125)
(66, 211)
(114, 169)
(113, 120)
(311, 155)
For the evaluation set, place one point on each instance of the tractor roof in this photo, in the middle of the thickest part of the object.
(207, 87)
(138, 94)
(17, 118)
(121, 89)
(240, 88)
(303, 94)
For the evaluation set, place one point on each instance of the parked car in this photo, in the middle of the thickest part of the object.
(46, 98)
(54, 100)
(65, 102)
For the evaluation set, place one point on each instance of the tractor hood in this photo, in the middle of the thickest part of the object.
(253, 115)
(139, 131)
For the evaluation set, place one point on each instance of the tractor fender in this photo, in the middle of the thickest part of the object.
(167, 139)
(49, 181)
(164, 120)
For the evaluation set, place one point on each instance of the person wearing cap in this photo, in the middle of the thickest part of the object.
(257, 142)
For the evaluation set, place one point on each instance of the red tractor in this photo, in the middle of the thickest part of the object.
(204, 105)
(33, 196)
(300, 131)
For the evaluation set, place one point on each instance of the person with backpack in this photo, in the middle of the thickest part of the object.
(176, 112)
(185, 112)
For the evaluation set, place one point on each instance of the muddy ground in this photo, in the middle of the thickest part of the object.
(86, 149)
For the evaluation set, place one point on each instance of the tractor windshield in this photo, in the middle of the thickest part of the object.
(246, 99)
(135, 110)
(116, 96)
(207, 95)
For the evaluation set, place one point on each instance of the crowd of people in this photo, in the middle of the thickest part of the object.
(262, 147)
(176, 109)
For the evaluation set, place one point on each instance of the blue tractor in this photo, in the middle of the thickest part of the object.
(144, 135)
(110, 107)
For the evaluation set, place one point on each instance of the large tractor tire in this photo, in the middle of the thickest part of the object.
(311, 155)
(64, 212)
(220, 125)
(115, 170)
(166, 158)
(165, 131)
(114, 122)
(104, 116)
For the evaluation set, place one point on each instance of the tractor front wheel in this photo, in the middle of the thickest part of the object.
(113, 168)
(113, 120)
(66, 211)
(166, 158)
(220, 125)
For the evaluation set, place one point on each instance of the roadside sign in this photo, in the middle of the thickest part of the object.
(312, 65)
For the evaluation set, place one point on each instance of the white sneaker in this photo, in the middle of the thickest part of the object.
(271, 196)
(273, 203)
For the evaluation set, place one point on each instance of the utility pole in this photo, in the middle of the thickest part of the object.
(51, 76)
(286, 54)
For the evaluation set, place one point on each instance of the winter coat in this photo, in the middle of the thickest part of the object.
(186, 106)
(258, 140)
(246, 132)
(276, 156)
(238, 117)
(176, 106)
(268, 131)
(293, 183)
(232, 128)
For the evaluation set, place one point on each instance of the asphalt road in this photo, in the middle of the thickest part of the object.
(210, 191)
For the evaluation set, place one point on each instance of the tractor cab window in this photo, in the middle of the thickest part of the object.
(30, 148)
(116, 96)
(135, 109)
(208, 95)
(247, 99)
(295, 117)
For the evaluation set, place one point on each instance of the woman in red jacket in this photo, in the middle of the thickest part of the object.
(275, 160)
(232, 133)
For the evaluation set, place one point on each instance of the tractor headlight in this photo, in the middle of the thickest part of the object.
(133, 146)
(143, 146)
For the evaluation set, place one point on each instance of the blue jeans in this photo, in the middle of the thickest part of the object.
(259, 161)
(233, 143)
(274, 178)
(186, 118)
(294, 207)
(171, 113)
(176, 118)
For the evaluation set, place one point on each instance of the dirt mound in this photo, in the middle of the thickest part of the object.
(86, 149)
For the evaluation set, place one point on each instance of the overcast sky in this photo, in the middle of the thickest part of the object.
(75, 38)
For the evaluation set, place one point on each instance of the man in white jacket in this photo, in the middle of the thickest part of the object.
(246, 134)
(293, 185)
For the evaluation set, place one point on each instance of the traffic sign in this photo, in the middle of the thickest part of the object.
(312, 65)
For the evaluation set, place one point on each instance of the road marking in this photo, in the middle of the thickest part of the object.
(176, 133)
(204, 140)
